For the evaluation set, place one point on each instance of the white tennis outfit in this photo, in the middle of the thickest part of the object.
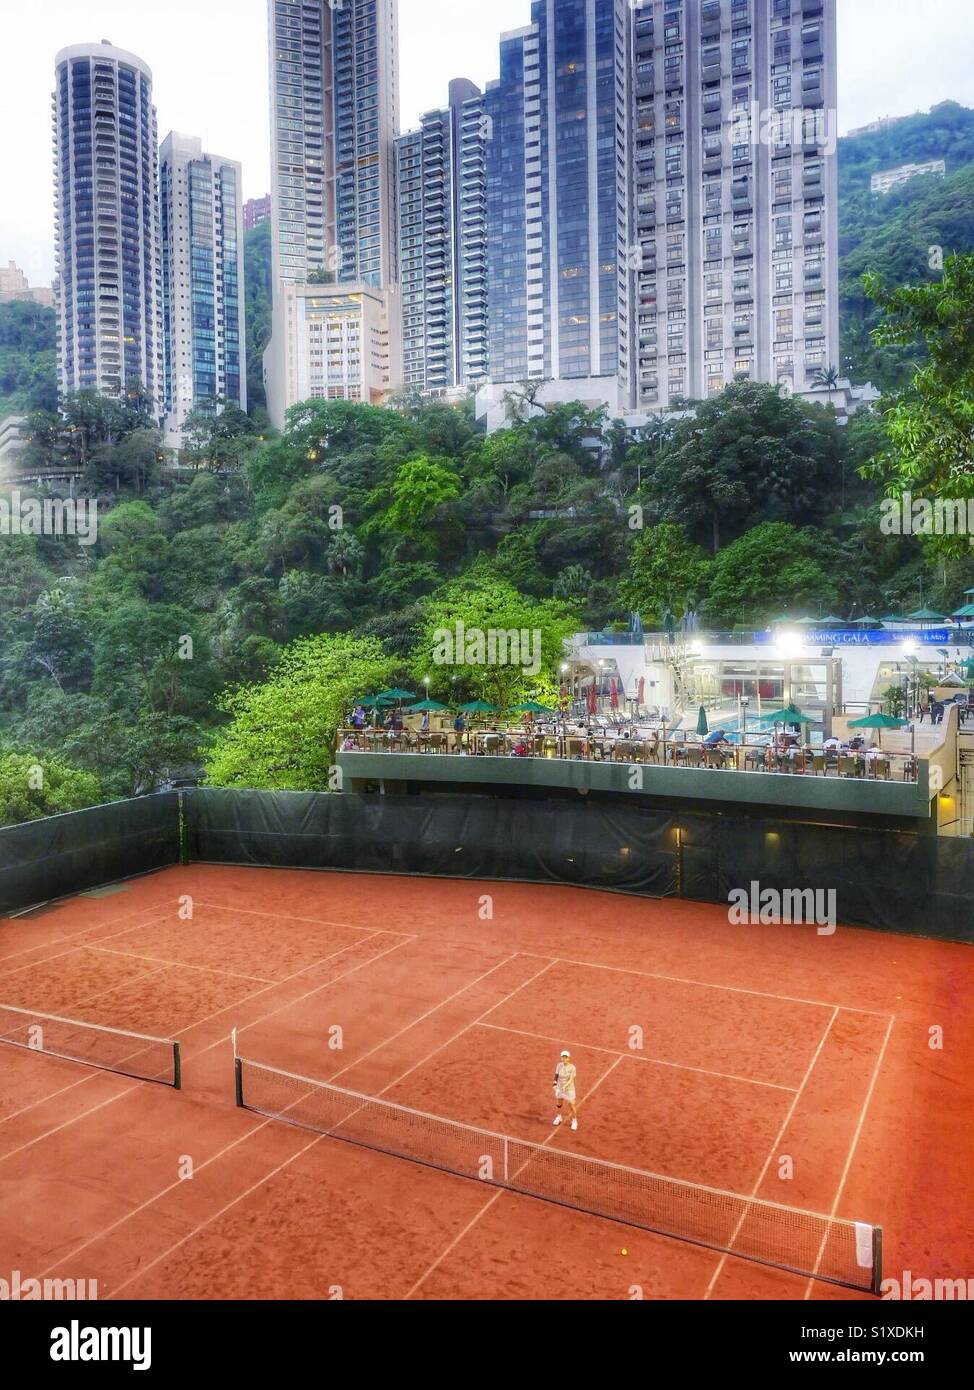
(565, 1081)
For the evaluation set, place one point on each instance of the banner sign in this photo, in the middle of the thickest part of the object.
(857, 637)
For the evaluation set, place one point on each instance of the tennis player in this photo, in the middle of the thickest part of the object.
(565, 1088)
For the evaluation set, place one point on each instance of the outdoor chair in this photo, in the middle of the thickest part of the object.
(881, 768)
(818, 764)
(848, 766)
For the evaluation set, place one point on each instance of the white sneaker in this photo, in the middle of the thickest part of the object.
(557, 1120)
(574, 1124)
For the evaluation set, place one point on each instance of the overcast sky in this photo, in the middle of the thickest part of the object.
(209, 62)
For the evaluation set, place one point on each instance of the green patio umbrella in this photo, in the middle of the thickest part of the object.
(703, 728)
(478, 707)
(880, 722)
(867, 622)
(371, 702)
(926, 615)
(392, 697)
(830, 621)
(791, 715)
(793, 622)
(893, 618)
(532, 707)
(428, 707)
(966, 612)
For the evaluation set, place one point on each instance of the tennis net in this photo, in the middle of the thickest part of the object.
(108, 1049)
(803, 1242)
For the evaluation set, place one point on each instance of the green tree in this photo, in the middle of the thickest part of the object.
(134, 544)
(28, 370)
(484, 603)
(748, 455)
(258, 289)
(421, 493)
(667, 573)
(33, 786)
(931, 422)
(828, 378)
(281, 734)
(772, 567)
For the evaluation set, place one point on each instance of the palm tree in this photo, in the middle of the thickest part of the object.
(827, 377)
(345, 554)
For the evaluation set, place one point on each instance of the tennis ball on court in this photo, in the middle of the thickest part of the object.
(625, 1252)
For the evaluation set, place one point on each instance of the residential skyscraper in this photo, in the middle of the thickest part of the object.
(334, 74)
(735, 195)
(558, 195)
(256, 211)
(471, 240)
(107, 223)
(202, 281)
(438, 214)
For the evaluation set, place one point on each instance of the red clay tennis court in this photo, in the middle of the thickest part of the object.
(776, 1065)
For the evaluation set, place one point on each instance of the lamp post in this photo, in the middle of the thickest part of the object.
(912, 692)
(564, 710)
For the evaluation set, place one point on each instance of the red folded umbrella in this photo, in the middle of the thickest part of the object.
(642, 690)
(614, 694)
(593, 699)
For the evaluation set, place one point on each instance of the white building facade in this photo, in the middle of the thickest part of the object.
(202, 282)
(109, 276)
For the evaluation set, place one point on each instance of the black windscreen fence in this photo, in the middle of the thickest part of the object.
(919, 885)
(61, 855)
(454, 836)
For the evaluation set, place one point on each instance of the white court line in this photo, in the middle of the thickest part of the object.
(465, 1029)
(72, 949)
(157, 1196)
(90, 998)
(183, 965)
(637, 1057)
(852, 1148)
(774, 1147)
(197, 1023)
(256, 1129)
(289, 917)
(422, 1018)
(501, 1191)
(267, 1178)
(202, 1224)
(707, 984)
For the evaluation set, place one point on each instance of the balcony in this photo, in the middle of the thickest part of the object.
(627, 770)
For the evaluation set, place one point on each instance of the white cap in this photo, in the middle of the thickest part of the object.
(566, 1053)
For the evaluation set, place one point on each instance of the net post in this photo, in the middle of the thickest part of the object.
(177, 1067)
(238, 1082)
(877, 1286)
